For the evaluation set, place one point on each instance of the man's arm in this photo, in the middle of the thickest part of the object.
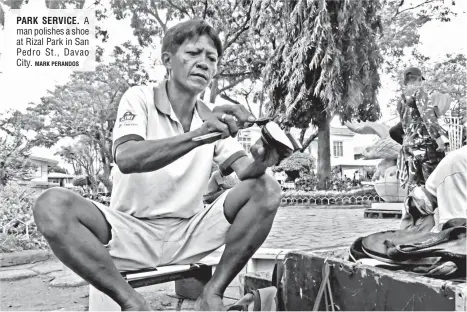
(138, 156)
(150, 155)
(246, 168)
(134, 154)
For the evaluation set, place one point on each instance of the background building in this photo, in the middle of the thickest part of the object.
(247, 137)
(40, 181)
(61, 179)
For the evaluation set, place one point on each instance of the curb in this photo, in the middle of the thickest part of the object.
(306, 206)
(24, 257)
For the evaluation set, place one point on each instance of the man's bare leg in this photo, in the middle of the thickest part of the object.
(76, 231)
(252, 206)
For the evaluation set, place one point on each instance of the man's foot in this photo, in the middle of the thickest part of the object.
(209, 302)
(137, 304)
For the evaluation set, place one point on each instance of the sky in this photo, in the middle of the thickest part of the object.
(19, 89)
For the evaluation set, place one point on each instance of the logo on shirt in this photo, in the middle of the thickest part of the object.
(128, 116)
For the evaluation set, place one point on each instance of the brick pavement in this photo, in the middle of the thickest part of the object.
(319, 227)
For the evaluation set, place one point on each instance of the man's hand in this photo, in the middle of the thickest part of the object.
(442, 141)
(264, 155)
(214, 124)
(254, 167)
(227, 119)
(243, 117)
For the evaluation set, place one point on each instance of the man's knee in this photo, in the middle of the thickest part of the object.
(267, 192)
(51, 211)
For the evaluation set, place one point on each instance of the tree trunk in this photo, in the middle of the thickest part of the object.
(308, 141)
(324, 154)
(106, 160)
(249, 107)
(75, 168)
(105, 177)
(94, 183)
(302, 135)
(106, 181)
(214, 90)
(261, 102)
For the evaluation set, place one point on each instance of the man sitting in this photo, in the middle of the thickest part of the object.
(156, 215)
(448, 183)
(443, 198)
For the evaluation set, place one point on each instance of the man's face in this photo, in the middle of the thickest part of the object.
(413, 81)
(194, 64)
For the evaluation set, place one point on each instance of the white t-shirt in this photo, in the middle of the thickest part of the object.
(448, 182)
(176, 190)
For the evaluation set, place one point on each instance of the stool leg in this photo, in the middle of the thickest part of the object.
(98, 301)
(191, 288)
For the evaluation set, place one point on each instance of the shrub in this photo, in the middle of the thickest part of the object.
(297, 165)
(81, 181)
(19, 232)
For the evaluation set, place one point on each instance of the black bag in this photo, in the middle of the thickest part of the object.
(441, 255)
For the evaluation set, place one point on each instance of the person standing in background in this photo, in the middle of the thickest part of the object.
(424, 140)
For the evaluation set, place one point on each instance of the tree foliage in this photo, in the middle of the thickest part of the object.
(86, 107)
(57, 169)
(449, 76)
(84, 156)
(332, 69)
(325, 62)
(14, 164)
(402, 21)
(14, 149)
(81, 181)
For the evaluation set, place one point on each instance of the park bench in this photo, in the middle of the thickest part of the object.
(189, 282)
(382, 214)
(384, 210)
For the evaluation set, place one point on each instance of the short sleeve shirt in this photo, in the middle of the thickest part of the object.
(448, 183)
(176, 190)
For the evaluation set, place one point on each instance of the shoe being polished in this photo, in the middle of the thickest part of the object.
(282, 141)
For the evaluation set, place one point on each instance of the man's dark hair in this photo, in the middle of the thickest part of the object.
(176, 35)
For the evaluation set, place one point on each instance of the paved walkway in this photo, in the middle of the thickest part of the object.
(50, 285)
(302, 227)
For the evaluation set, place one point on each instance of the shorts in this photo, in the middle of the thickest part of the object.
(138, 244)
